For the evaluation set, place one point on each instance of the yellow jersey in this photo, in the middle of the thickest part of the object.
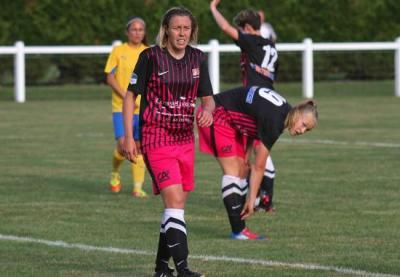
(121, 62)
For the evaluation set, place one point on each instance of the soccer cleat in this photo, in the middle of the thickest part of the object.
(263, 202)
(188, 273)
(270, 210)
(245, 234)
(115, 182)
(139, 193)
(167, 272)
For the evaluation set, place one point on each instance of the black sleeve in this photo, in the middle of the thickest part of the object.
(205, 88)
(140, 75)
(244, 42)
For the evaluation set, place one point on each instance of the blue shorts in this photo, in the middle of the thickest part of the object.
(118, 123)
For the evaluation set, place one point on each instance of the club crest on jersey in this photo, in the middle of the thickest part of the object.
(134, 79)
(196, 73)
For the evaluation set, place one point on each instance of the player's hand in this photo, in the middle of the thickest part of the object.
(214, 3)
(129, 150)
(248, 209)
(204, 118)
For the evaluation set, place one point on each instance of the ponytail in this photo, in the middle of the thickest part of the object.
(305, 107)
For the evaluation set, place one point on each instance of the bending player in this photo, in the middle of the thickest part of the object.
(256, 113)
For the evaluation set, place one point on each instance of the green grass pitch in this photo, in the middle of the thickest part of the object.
(337, 192)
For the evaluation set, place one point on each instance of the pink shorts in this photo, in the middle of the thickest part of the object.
(171, 165)
(221, 141)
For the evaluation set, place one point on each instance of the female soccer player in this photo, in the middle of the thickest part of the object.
(258, 62)
(119, 67)
(258, 59)
(256, 113)
(170, 76)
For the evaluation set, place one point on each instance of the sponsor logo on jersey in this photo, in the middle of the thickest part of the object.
(250, 95)
(163, 176)
(160, 73)
(196, 72)
(134, 79)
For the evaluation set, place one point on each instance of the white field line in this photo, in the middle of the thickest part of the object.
(284, 140)
(86, 247)
(344, 143)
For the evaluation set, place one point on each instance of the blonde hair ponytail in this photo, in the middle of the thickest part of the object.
(305, 107)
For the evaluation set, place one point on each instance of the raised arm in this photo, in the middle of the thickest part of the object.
(225, 26)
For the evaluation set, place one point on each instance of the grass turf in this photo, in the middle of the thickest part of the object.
(336, 191)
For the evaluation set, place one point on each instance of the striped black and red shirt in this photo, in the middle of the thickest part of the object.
(169, 88)
(255, 112)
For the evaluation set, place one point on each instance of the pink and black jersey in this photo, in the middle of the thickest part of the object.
(258, 60)
(256, 112)
(169, 88)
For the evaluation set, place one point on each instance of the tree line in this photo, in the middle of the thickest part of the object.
(99, 22)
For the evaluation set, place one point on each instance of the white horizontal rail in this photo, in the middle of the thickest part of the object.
(354, 46)
(19, 50)
(284, 47)
(68, 49)
(6, 50)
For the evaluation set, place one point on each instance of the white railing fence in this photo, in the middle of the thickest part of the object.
(307, 47)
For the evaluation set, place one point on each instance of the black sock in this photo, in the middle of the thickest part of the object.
(232, 195)
(267, 185)
(175, 231)
(163, 254)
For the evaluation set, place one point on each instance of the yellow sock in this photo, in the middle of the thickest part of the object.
(117, 160)
(138, 172)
